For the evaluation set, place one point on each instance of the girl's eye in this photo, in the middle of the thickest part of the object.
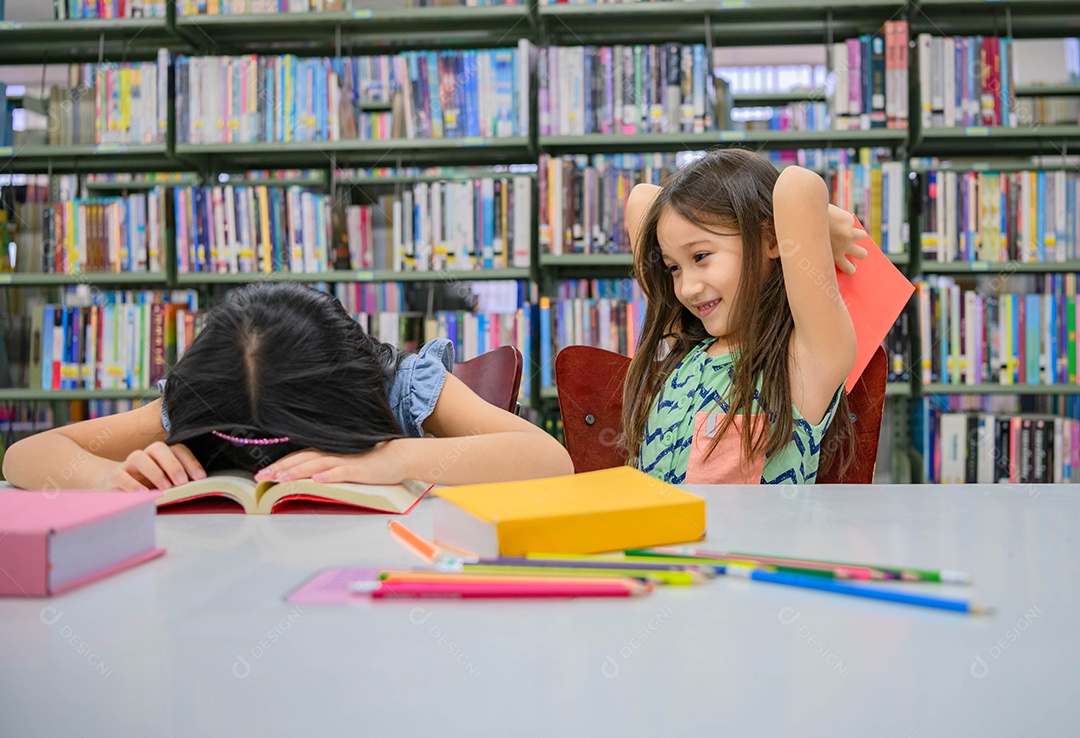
(672, 269)
(700, 256)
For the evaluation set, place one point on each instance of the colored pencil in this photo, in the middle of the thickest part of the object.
(425, 549)
(591, 562)
(419, 546)
(437, 577)
(856, 590)
(818, 570)
(678, 578)
(907, 574)
(387, 590)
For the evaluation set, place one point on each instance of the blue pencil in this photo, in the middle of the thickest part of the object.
(854, 590)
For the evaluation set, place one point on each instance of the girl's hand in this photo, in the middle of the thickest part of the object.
(381, 465)
(159, 466)
(842, 237)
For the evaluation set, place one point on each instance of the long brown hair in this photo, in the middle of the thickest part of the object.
(728, 188)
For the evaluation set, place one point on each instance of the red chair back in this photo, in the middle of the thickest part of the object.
(867, 402)
(590, 382)
(494, 375)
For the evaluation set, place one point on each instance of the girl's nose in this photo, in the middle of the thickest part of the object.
(689, 286)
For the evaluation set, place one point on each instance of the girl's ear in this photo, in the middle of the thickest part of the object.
(772, 249)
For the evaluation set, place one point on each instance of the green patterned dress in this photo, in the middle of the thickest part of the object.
(688, 410)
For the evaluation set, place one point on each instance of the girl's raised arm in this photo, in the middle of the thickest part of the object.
(122, 451)
(637, 204)
(823, 342)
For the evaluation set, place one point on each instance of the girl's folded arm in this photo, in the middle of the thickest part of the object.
(478, 442)
(82, 455)
(823, 340)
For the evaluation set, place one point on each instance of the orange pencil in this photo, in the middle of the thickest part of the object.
(425, 550)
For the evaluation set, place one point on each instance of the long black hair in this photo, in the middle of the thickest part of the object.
(730, 189)
(280, 360)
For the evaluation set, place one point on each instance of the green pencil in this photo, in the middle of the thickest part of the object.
(907, 574)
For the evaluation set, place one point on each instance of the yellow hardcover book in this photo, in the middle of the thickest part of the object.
(606, 510)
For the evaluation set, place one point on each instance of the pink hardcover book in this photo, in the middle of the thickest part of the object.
(51, 542)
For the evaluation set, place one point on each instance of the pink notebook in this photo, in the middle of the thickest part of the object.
(331, 586)
(51, 542)
(875, 296)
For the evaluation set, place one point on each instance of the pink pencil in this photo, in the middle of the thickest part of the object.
(388, 590)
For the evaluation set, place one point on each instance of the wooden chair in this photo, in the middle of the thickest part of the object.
(867, 402)
(590, 382)
(494, 375)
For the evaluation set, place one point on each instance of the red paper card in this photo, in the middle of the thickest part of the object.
(875, 296)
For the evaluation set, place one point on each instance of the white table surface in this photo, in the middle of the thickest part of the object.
(201, 643)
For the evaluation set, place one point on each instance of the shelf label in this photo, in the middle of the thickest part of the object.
(365, 276)
(734, 4)
(6, 278)
(981, 166)
(980, 266)
(109, 148)
(977, 131)
(363, 14)
(7, 151)
(732, 135)
(472, 141)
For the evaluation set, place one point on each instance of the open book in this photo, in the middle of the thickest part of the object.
(224, 491)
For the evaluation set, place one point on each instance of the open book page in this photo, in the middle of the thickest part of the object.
(234, 485)
(220, 490)
(395, 498)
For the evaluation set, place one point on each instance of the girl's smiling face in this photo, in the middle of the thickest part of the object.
(705, 267)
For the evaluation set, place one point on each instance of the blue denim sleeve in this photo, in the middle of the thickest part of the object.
(415, 388)
(164, 415)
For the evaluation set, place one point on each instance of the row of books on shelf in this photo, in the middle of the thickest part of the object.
(606, 313)
(581, 198)
(241, 7)
(107, 9)
(876, 194)
(624, 89)
(1027, 216)
(965, 81)
(120, 340)
(871, 82)
(423, 94)
(471, 333)
(115, 103)
(987, 335)
(454, 226)
(104, 234)
(130, 102)
(986, 448)
(495, 296)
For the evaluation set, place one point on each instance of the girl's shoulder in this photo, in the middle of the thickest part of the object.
(413, 387)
